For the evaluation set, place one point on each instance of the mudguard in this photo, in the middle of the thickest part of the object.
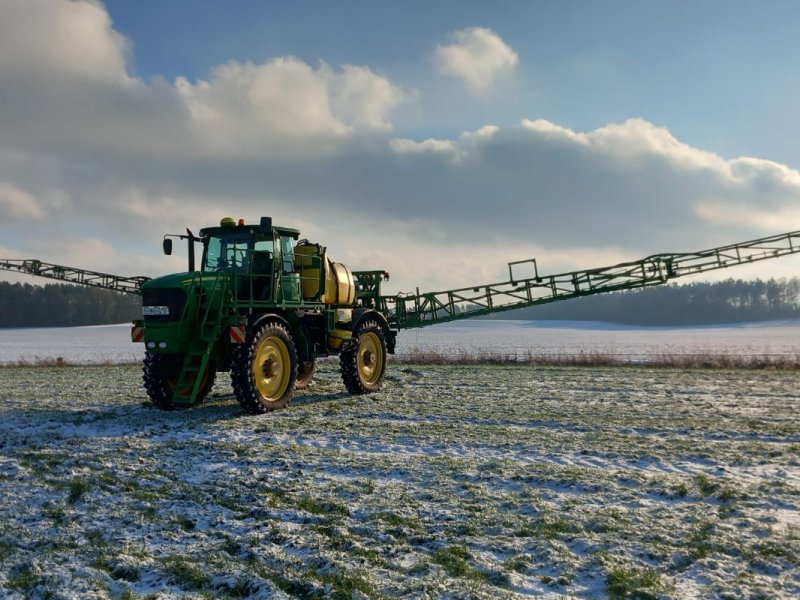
(365, 314)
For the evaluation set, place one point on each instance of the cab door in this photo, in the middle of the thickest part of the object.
(290, 279)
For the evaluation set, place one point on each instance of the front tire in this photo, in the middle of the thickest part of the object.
(264, 369)
(363, 359)
(161, 373)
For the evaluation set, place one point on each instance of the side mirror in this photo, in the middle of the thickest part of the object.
(167, 244)
(266, 225)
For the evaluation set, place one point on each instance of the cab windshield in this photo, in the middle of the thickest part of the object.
(232, 251)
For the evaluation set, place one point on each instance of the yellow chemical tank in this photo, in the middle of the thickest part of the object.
(339, 286)
(308, 258)
(338, 337)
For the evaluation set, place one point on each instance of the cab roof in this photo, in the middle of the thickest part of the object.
(287, 231)
(252, 229)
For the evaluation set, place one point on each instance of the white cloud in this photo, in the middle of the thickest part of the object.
(18, 204)
(723, 213)
(247, 106)
(284, 96)
(633, 140)
(61, 39)
(363, 99)
(477, 55)
(403, 146)
(455, 149)
(65, 87)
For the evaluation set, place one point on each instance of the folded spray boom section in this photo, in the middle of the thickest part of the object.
(32, 266)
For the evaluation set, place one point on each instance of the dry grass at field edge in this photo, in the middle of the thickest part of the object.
(598, 359)
(778, 362)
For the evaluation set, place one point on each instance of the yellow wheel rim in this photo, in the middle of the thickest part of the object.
(370, 357)
(271, 368)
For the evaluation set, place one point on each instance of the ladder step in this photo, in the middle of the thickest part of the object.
(196, 360)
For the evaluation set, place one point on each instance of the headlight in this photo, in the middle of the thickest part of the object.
(155, 311)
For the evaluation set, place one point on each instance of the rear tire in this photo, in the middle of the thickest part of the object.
(363, 359)
(305, 373)
(161, 373)
(264, 369)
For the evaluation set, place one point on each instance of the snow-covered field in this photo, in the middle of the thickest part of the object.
(624, 342)
(111, 343)
(485, 482)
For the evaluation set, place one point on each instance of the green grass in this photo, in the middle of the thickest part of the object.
(396, 520)
(701, 540)
(23, 578)
(322, 507)
(706, 485)
(186, 573)
(184, 522)
(7, 548)
(549, 527)
(640, 584)
(77, 488)
(345, 585)
(453, 559)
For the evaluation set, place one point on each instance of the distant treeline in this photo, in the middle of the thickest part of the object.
(729, 301)
(59, 304)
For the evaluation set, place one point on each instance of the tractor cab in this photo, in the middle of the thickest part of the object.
(256, 257)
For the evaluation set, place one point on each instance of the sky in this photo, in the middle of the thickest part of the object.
(436, 140)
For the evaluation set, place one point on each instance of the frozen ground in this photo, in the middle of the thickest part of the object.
(484, 482)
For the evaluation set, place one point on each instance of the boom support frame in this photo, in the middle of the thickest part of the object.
(405, 311)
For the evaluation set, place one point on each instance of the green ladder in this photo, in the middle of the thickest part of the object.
(195, 361)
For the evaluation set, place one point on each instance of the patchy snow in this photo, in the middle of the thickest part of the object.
(485, 482)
